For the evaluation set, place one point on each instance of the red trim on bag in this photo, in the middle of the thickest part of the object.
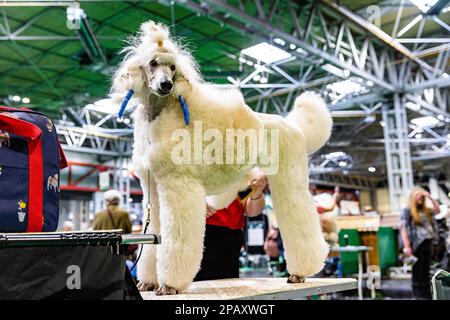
(35, 168)
(62, 156)
(35, 195)
(3, 108)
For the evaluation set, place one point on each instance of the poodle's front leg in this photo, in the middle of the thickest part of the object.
(182, 217)
(146, 267)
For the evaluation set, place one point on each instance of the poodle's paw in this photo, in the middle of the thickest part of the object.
(166, 290)
(142, 286)
(295, 279)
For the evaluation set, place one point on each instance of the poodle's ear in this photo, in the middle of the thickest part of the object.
(186, 72)
(129, 76)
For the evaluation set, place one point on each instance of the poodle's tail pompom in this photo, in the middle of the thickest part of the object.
(154, 33)
(311, 114)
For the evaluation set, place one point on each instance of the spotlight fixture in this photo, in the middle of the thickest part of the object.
(266, 52)
(372, 169)
(26, 100)
(16, 98)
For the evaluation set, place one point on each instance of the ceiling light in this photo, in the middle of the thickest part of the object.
(257, 77)
(119, 120)
(370, 83)
(424, 5)
(372, 169)
(425, 122)
(26, 100)
(418, 136)
(266, 53)
(301, 51)
(279, 41)
(292, 46)
(342, 163)
(369, 119)
(263, 80)
(16, 98)
(344, 87)
(108, 106)
(335, 155)
(382, 123)
(441, 117)
(127, 121)
(412, 106)
(334, 70)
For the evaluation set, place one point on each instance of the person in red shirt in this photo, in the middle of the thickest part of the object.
(224, 236)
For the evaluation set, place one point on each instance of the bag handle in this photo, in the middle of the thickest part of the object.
(7, 125)
(20, 127)
(3, 108)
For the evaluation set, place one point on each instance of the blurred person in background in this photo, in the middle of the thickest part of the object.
(418, 231)
(112, 217)
(328, 216)
(67, 226)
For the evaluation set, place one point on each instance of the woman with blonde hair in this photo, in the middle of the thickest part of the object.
(418, 230)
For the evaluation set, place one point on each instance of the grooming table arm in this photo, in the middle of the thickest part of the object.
(94, 238)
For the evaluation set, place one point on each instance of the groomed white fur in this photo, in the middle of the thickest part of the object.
(178, 192)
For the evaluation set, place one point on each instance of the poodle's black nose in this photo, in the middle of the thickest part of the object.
(166, 86)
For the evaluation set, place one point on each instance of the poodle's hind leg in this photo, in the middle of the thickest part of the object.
(146, 266)
(182, 216)
(305, 246)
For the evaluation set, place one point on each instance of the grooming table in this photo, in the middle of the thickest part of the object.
(68, 265)
(257, 289)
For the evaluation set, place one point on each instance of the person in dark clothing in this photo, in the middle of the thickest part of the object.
(224, 236)
(418, 230)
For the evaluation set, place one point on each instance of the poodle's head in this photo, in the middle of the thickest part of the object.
(155, 64)
(161, 72)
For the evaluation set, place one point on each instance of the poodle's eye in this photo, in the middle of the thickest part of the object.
(172, 67)
(153, 63)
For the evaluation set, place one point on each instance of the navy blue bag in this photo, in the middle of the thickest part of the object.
(30, 162)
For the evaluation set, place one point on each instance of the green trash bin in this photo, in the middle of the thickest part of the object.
(387, 249)
(349, 260)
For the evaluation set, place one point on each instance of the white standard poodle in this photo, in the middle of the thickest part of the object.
(176, 104)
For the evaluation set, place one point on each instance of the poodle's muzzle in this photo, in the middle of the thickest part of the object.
(165, 87)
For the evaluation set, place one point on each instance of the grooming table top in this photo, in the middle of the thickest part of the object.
(257, 289)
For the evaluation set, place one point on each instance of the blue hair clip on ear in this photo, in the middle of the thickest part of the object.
(185, 109)
(125, 101)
